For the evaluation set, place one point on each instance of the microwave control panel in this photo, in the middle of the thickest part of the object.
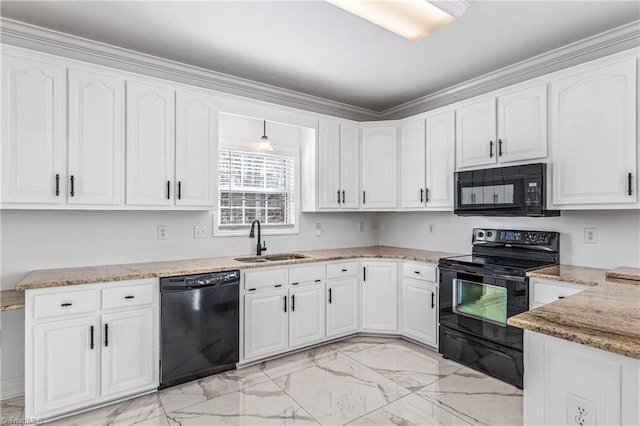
(532, 193)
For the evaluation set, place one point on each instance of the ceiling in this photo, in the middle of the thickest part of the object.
(315, 48)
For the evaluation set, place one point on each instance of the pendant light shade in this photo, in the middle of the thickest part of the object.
(264, 144)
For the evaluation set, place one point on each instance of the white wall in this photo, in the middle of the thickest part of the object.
(55, 239)
(618, 234)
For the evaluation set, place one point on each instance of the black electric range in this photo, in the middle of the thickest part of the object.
(479, 292)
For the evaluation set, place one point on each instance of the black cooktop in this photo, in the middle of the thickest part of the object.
(492, 263)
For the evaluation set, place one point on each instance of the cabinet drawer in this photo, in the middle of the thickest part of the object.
(64, 303)
(339, 270)
(131, 295)
(419, 271)
(314, 273)
(265, 278)
(546, 292)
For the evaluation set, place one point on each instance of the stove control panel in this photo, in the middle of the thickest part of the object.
(503, 236)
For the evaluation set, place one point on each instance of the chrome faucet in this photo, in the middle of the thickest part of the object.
(260, 247)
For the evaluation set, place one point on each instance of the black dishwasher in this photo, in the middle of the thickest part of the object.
(199, 332)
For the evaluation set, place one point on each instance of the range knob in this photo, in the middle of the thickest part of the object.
(480, 234)
(489, 234)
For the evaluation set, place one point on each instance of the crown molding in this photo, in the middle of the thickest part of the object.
(609, 42)
(37, 38)
(28, 36)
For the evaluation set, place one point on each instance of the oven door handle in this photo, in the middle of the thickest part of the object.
(477, 272)
(465, 340)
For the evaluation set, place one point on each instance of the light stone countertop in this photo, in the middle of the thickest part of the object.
(605, 316)
(10, 300)
(107, 273)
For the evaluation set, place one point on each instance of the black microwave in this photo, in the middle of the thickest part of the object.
(502, 191)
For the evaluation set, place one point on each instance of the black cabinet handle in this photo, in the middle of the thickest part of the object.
(343, 198)
(416, 272)
(279, 285)
(421, 195)
(329, 296)
(490, 149)
(64, 305)
(338, 196)
(499, 147)
(179, 190)
(168, 190)
(364, 273)
(73, 180)
(91, 334)
(433, 300)
(293, 302)
(106, 335)
(364, 197)
(57, 185)
(344, 270)
(252, 289)
(317, 281)
(561, 297)
(128, 297)
(285, 303)
(629, 184)
(295, 283)
(426, 191)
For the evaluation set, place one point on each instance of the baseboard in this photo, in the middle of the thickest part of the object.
(12, 387)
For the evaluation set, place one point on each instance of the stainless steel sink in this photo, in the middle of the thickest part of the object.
(274, 258)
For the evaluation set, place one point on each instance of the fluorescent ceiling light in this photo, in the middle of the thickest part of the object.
(411, 19)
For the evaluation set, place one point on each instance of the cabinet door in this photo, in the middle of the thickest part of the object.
(412, 164)
(96, 138)
(328, 165)
(420, 311)
(128, 351)
(380, 296)
(33, 131)
(476, 134)
(349, 167)
(265, 324)
(342, 307)
(379, 167)
(440, 132)
(593, 136)
(150, 145)
(65, 370)
(307, 315)
(196, 150)
(522, 125)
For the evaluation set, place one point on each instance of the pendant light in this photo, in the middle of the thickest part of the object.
(264, 144)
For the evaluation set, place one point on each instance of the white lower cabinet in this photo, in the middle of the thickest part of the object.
(420, 311)
(265, 324)
(307, 315)
(379, 296)
(342, 306)
(542, 291)
(82, 356)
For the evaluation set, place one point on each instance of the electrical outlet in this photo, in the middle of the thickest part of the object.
(163, 232)
(580, 412)
(318, 230)
(200, 232)
(591, 235)
(431, 229)
(361, 227)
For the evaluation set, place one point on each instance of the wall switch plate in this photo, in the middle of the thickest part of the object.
(591, 235)
(361, 227)
(431, 228)
(580, 412)
(200, 231)
(163, 232)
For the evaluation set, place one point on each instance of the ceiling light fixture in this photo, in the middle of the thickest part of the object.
(264, 144)
(411, 19)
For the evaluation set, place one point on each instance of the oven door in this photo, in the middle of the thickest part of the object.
(480, 304)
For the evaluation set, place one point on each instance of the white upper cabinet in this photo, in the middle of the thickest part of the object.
(440, 131)
(516, 133)
(379, 166)
(96, 138)
(412, 164)
(476, 134)
(593, 136)
(33, 131)
(339, 165)
(196, 149)
(150, 144)
(522, 124)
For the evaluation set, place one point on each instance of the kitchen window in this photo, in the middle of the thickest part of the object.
(254, 185)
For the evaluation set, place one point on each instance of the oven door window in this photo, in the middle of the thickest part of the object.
(482, 301)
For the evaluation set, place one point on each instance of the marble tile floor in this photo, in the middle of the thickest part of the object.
(359, 381)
